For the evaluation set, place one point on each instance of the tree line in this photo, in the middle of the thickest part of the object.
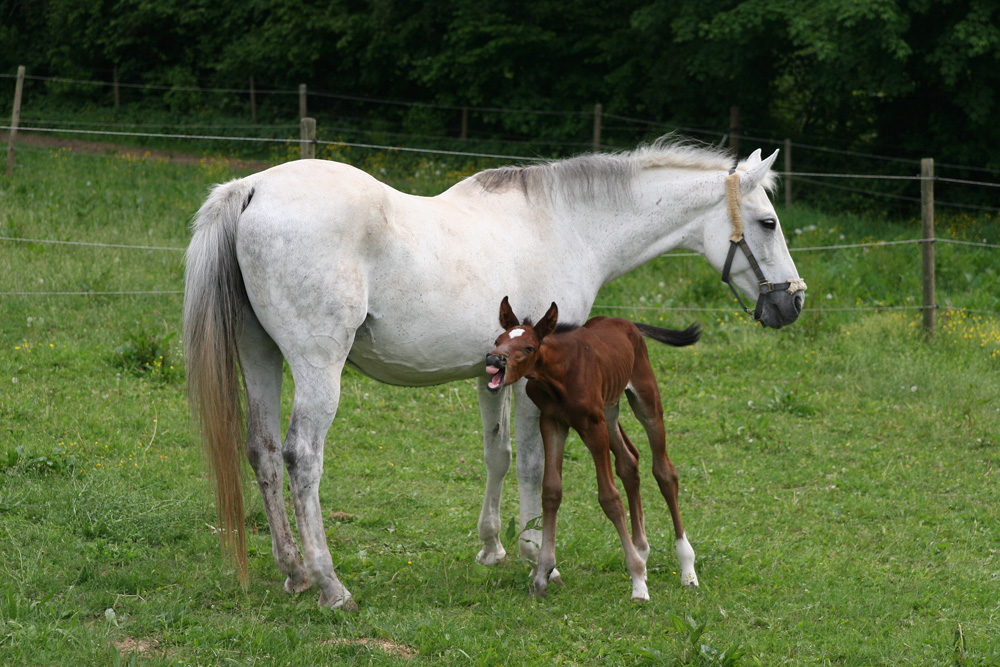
(909, 78)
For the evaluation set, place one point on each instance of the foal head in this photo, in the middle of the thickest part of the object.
(517, 347)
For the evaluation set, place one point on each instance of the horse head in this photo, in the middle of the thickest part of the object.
(516, 350)
(755, 232)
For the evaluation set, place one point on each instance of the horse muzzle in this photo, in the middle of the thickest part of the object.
(780, 308)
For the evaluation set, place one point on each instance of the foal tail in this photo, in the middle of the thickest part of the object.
(673, 337)
(214, 300)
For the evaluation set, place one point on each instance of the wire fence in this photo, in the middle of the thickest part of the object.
(632, 123)
(74, 128)
(637, 307)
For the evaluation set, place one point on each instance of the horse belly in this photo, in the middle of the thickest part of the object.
(387, 354)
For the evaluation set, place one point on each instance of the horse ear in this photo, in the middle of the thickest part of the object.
(756, 173)
(547, 324)
(753, 159)
(507, 317)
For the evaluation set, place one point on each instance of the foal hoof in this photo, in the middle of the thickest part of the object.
(689, 580)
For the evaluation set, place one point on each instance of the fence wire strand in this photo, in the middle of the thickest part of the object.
(802, 177)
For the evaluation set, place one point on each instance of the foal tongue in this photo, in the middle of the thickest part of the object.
(497, 378)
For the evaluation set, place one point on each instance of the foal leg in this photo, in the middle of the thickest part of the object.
(261, 362)
(644, 397)
(595, 436)
(554, 437)
(495, 412)
(530, 469)
(627, 469)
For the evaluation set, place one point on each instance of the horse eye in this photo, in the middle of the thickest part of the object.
(769, 223)
(529, 350)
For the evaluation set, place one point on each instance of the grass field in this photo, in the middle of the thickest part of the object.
(839, 477)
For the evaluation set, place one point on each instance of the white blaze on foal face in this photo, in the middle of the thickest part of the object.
(514, 333)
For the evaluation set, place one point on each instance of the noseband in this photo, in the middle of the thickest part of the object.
(736, 240)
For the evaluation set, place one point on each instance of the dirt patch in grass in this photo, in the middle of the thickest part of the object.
(385, 645)
(130, 645)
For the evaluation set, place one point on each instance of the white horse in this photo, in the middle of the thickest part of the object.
(321, 265)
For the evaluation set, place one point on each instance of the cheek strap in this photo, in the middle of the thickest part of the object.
(736, 240)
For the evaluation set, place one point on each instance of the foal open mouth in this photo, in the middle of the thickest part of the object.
(496, 379)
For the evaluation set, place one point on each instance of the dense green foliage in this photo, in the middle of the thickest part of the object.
(839, 477)
(905, 78)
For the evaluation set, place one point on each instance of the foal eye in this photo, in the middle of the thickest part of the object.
(529, 350)
(769, 223)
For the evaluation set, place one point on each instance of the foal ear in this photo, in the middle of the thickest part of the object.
(507, 317)
(547, 324)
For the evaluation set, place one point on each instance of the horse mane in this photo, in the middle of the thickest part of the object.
(591, 175)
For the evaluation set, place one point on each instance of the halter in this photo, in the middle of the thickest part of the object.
(736, 240)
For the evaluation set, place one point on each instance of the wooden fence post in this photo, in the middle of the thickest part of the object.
(598, 111)
(734, 131)
(927, 225)
(15, 120)
(307, 142)
(465, 123)
(253, 101)
(788, 173)
(302, 100)
(118, 92)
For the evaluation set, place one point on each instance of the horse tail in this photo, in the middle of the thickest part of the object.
(673, 337)
(214, 301)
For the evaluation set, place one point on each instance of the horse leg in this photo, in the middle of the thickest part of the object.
(317, 394)
(644, 397)
(554, 439)
(261, 362)
(595, 436)
(495, 412)
(627, 469)
(530, 468)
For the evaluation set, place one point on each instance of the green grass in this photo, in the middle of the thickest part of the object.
(839, 477)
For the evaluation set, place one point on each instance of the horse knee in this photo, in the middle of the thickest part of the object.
(551, 497)
(666, 474)
(611, 503)
(626, 469)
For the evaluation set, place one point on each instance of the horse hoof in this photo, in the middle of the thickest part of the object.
(349, 606)
(344, 604)
(689, 580)
(489, 558)
(296, 584)
(640, 599)
(556, 580)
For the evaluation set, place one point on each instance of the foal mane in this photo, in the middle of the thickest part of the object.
(592, 175)
(561, 327)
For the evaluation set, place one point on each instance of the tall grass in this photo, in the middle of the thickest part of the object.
(839, 477)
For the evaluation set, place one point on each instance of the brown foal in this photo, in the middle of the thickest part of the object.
(576, 377)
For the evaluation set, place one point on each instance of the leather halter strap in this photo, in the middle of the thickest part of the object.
(736, 240)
